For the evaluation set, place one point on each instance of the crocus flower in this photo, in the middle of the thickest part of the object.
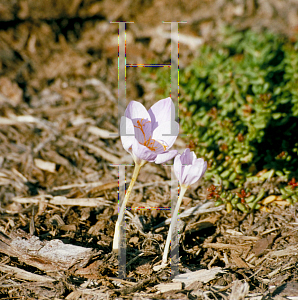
(147, 136)
(188, 170)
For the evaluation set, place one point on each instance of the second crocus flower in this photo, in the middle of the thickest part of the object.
(188, 170)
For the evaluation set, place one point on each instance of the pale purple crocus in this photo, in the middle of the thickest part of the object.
(188, 170)
(147, 136)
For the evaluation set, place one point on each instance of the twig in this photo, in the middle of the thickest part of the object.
(107, 156)
(25, 275)
(61, 200)
(138, 286)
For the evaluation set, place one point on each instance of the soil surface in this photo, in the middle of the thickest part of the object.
(58, 185)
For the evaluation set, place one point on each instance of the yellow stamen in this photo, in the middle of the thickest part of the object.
(140, 126)
(147, 143)
(150, 142)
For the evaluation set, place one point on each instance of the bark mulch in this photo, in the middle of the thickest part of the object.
(58, 185)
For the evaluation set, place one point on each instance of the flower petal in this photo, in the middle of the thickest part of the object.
(136, 110)
(143, 152)
(202, 165)
(198, 172)
(186, 158)
(194, 158)
(162, 112)
(204, 168)
(178, 167)
(199, 162)
(188, 169)
(156, 146)
(163, 157)
(142, 130)
(127, 133)
(163, 132)
(187, 175)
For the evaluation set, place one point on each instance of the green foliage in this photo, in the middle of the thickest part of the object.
(246, 201)
(239, 106)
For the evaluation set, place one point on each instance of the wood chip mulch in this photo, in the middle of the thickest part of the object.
(58, 145)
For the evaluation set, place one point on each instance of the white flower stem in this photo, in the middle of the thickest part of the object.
(123, 206)
(173, 224)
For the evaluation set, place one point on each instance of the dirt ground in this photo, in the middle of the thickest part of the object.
(59, 190)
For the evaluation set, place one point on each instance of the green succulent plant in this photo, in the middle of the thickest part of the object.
(239, 106)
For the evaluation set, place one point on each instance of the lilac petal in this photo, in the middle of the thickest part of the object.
(200, 170)
(198, 173)
(178, 167)
(161, 112)
(161, 132)
(127, 138)
(156, 146)
(163, 157)
(188, 169)
(194, 158)
(142, 152)
(189, 157)
(199, 162)
(142, 130)
(186, 157)
(187, 175)
(136, 110)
